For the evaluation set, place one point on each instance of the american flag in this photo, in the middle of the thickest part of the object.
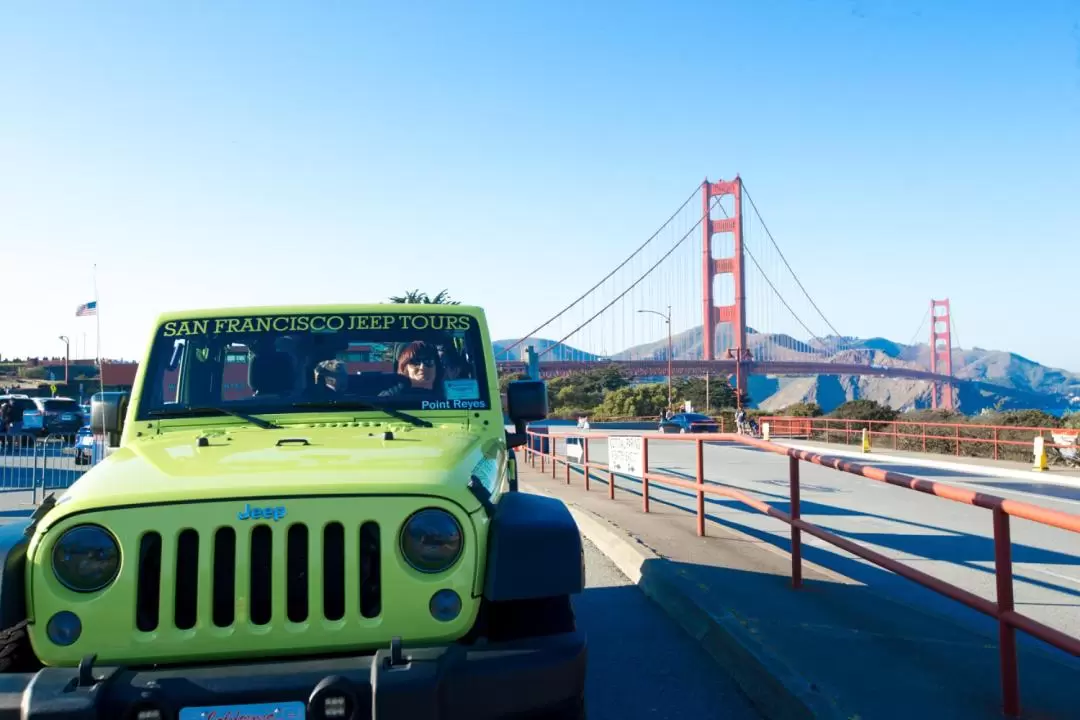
(89, 308)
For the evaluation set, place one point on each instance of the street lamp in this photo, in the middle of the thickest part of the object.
(667, 319)
(67, 355)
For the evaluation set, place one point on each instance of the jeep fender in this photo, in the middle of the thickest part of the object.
(13, 543)
(534, 550)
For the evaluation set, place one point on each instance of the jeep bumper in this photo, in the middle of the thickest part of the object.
(505, 680)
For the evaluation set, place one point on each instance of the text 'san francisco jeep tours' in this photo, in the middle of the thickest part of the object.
(312, 513)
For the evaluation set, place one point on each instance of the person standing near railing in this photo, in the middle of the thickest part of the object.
(740, 421)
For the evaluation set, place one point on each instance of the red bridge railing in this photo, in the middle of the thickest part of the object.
(1002, 610)
(997, 442)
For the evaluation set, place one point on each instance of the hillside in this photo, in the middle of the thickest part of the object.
(986, 379)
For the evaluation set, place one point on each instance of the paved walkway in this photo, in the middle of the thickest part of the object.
(836, 648)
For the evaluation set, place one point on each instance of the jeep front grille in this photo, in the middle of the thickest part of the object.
(273, 561)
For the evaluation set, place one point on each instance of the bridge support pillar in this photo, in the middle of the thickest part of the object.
(941, 395)
(734, 313)
(533, 363)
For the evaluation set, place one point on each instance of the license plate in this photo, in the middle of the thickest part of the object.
(67, 416)
(263, 711)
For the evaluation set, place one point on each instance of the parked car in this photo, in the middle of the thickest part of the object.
(32, 419)
(689, 422)
(84, 446)
(62, 416)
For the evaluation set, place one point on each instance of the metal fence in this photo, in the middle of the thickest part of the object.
(41, 464)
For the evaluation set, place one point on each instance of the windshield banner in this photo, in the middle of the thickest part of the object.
(314, 323)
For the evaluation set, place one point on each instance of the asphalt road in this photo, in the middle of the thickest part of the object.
(641, 664)
(945, 539)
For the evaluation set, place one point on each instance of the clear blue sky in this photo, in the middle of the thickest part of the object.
(898, 150)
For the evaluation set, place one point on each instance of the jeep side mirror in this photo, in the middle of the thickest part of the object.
(526, 401)
(107, 411)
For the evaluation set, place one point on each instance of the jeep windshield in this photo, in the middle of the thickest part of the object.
(304, 363)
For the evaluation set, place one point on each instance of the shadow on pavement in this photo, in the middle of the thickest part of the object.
(972, 551)
(641, 665)
(871, 655)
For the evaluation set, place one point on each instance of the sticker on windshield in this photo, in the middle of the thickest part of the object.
(466, 389)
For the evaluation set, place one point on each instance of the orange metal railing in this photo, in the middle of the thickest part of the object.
(1002, 610)
(997, 442)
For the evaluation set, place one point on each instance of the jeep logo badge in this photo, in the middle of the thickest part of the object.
(266, 513)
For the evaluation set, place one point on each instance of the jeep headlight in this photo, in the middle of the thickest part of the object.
(431, 540)
(86, 558)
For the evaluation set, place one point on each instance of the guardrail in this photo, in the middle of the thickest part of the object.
(997, 442)
(54, 462)
(543, 447)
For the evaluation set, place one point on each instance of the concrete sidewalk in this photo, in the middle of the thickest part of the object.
(834, 649)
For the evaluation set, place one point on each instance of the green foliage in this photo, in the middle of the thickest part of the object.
(720, 394)
(635, 401)
(1020, 418)
(35, 373)
(422, 298)
(506, 378)
(802, 410)
(864, 410)
(584, 391)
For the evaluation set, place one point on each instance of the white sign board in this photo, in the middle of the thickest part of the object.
(626, 454)
(575, 448)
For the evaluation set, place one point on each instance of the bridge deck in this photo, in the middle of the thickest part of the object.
(853, 630)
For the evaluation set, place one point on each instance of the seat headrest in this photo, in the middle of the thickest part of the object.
(272, 372)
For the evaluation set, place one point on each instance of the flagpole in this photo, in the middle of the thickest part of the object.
(97, 342)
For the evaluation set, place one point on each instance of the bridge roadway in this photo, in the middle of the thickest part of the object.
(948, 540)
(652, 368)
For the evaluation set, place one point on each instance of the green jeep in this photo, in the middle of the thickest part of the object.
(312, 513)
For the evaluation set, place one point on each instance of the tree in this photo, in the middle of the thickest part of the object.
(415, 297)
(720, 394)
(864, 410)
(635, 401)
(802, 410)
(506, 378)
(582, 392)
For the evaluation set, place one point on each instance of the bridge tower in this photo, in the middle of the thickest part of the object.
(734, 314)
(941, 353)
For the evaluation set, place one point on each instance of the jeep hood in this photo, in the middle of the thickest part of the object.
(253, 463)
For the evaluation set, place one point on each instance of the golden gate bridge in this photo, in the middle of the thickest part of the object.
(750, 314)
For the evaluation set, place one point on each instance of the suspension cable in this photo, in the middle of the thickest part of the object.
(531, 333)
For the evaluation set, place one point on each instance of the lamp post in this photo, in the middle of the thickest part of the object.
(67, 355)
(667, 319)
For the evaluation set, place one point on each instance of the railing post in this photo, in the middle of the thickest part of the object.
(567, 461)
(543, 455)
(554, 442)
(585, 460)
(995, 443)
(645, 474)
(701, 488)
(1010, 677)
(796, 513)
(957, 430)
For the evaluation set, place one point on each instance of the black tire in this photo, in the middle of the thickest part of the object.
(16, 654)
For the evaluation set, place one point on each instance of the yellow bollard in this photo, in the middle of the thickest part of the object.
(765, 431)
(865, 440)
(1040, 455)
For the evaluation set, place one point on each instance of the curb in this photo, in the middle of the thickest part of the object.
(776, 690)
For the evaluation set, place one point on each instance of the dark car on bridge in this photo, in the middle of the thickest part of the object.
(689, 422)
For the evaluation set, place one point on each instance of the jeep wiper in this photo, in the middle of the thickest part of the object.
(359, 405)
(265, 424)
